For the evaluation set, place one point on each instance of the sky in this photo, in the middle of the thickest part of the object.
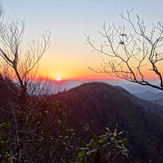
(69, 20)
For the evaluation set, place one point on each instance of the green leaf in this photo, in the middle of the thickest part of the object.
(115, 133)
(10, 159)
(118, 146)
(125, 152)
(81, 154)
(108, 130)
(86, 127)
(102, 139)
(5, 125)
(125, 142)
(88, 153)
(92, 143)
(120, 133)
(94, 137)
(118, 138)
(59, 121)
(73, 133)
(83, 143)
(68, 142)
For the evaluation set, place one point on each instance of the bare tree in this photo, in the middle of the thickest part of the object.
(20, 64)
(135, 52)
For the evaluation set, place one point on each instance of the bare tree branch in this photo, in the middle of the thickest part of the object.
(21, 64)
(134, 51)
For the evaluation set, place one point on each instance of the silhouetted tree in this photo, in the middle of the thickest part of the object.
(16, 62)
(134, 52)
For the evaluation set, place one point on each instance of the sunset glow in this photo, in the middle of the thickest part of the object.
(69, 21)
(58, 79)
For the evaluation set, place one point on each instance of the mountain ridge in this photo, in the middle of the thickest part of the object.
(156, 98)
(107, 106)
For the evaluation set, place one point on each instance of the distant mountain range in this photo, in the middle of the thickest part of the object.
(149, 104)
(107, 105)
(100, 105)
(154, 97)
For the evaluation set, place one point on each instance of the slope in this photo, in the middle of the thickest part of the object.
(107, 106)
(149, 105)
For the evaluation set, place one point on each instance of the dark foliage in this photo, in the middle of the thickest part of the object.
(38, 133)
(8, 98)
(46, 130)
(106, 106)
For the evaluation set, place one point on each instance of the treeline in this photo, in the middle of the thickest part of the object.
(41, 130)
(102, 105)
(71, 127)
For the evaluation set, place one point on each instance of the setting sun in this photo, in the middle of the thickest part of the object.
(58, 79)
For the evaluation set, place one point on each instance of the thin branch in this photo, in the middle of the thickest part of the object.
(131, 51)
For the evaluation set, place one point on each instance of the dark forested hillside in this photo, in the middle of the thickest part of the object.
(52, 123)
(7, 97)
(149, 105)
(106, 106)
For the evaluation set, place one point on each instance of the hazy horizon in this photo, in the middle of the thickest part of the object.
(53, 86)
(68, 57)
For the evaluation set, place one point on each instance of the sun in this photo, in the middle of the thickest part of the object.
(58, 79)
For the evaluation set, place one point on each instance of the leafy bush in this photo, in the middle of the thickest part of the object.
(37, 133)
(40, 132)
(105, 148)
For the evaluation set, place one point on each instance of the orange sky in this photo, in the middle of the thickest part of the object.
(68, 56)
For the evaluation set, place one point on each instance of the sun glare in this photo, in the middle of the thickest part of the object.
(58, 79)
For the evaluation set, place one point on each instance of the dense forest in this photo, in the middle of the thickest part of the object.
(107, 106)
(83, 124)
